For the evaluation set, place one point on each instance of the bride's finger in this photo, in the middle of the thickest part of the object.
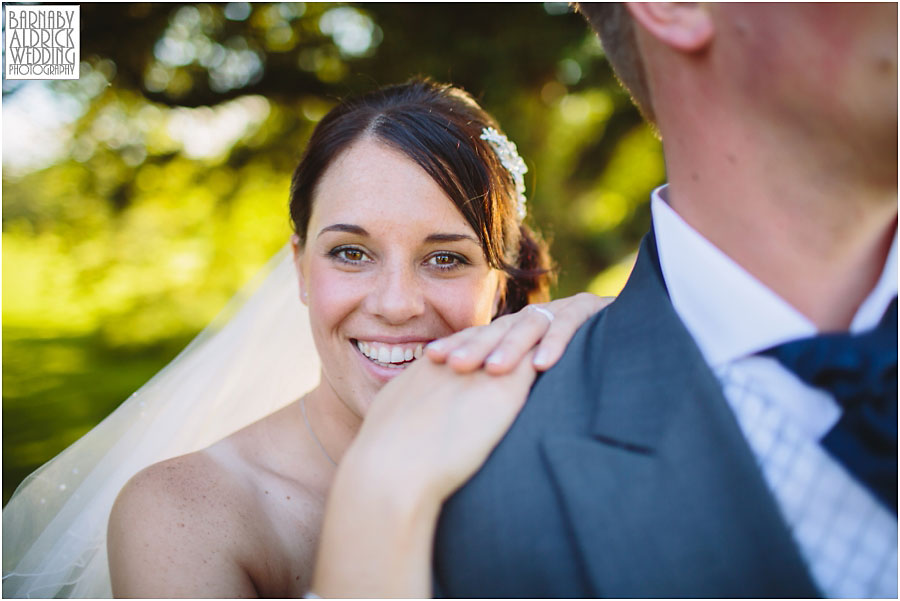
(438, 350)
(472, 352)
(533, 323)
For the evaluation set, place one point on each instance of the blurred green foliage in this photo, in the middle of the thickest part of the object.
(170, 187)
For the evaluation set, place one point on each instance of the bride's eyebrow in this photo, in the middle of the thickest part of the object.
(451, 238)
(344, 227)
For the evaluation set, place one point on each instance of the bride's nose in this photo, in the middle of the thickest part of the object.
(397, 295)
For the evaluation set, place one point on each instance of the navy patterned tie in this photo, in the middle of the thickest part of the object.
(860, 370)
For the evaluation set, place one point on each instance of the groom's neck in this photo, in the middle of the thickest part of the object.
(819, 243)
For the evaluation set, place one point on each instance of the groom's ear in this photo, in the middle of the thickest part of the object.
(682, 26)
(297, 249)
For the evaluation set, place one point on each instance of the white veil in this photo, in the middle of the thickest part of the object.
(256, 357)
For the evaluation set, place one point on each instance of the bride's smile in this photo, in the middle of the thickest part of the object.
(389, 265)
(391, 355)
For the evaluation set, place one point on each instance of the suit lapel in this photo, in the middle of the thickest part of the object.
(663, 494)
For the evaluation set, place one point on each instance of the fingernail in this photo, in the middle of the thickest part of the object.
(459, 354)
(437, 345)
(540, 358)
(494, 358)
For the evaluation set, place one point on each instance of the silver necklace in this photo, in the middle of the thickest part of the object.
(312, 433)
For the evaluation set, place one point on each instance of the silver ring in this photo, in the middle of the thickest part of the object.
(545, 312)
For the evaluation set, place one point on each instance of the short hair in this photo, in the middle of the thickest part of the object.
(615, 26)
(439, 127)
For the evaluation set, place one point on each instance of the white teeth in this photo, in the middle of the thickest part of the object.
(397, 355)
(384, 355)
(389, 354)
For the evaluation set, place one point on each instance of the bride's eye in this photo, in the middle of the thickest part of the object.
(447, 261)
(349, 254)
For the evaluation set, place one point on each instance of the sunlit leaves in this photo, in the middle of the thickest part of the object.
(191, 39)
(200, 40)
(354, 32)
(159, 268)
(210, 132)
(237, 11)
(636, 166)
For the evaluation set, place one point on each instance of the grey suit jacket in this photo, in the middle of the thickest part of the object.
(626, 475)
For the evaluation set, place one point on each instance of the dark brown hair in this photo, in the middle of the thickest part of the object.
(439, 127)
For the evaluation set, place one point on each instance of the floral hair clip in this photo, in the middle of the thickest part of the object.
(510, 159)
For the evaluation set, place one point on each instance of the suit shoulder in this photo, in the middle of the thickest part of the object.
(567, 383)
(589, 336)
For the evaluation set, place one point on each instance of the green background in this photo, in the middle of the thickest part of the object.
(168, 189)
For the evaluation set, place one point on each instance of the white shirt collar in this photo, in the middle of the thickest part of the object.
(728, 311)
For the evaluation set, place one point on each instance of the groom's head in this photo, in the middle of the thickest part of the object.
(825, 71)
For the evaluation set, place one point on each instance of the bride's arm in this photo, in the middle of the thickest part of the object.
(425, 434)
(500, 345)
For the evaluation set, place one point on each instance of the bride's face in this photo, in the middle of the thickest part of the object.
(389, 264)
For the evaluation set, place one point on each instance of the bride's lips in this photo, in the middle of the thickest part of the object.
(386, 358)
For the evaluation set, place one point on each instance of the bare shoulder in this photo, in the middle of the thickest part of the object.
(175, 531)
(240, 518)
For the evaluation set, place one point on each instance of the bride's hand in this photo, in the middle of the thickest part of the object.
(434, 426)
(425, 434)
(500, 345)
